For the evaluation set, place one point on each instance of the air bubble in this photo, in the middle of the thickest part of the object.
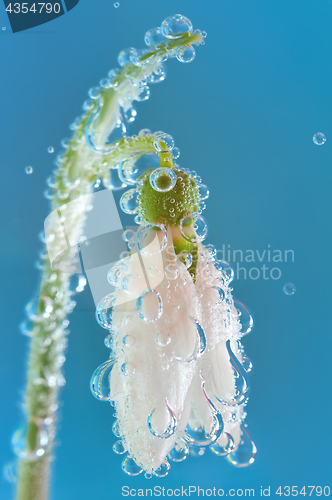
(116, 5)
(203, 192)
(163, 338)
(151, 239)
(163, 139)
(245, 317)
(105, 309)
(100, 380)
(119, 448)
(179, 452)
(319, 138)
(194, 227)
(225, 269)
(124, 56)
(22, 446)
(163, 470)
(289, 289)
(186, 54)
(94, 92)
(154, 37)
(130, 467)
(50, 149)
(176, 26)
(163, 179)
(28, 170)
(171, 272)
(186, 259)
(149, 306)
(128, 201)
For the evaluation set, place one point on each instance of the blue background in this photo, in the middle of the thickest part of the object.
(243, 114)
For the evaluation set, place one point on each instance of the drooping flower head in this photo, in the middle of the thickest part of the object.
(177, 374)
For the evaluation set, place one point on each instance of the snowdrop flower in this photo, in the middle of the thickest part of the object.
(177, 374)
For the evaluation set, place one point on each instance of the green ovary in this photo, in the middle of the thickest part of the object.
(167, 207)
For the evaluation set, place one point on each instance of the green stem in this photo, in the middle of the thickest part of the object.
(78, 169)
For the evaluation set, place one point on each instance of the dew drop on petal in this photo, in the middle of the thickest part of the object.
(289, 289)
(319, 138)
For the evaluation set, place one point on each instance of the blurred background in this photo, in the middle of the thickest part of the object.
(243, 114)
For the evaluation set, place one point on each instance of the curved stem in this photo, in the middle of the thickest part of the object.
(72, 186)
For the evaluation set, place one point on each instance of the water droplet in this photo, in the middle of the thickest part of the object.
(245, 317)
(163, 470)
(319, 138)
(30, 441)
(171, 271)
(204, 192)
(289, 288)
(163, 179)
(176, 26)
(151, 239)
(116, 5)
(28, 170)
(201, 344)
(179, 452)
(198, 436)
(163, 338)
(163, 142)
(241, 381)
(154, 37)
(100, 380)
(128, 201)
(224, 446)
(186, 54)
(50, 149)
(130, 467)
(172, 426)
(194, 227)
(119, 448)
(104, 310)
(246, 451)
(149, 306)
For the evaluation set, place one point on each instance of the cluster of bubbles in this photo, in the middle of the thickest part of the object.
(140, 67)
(46, 322)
